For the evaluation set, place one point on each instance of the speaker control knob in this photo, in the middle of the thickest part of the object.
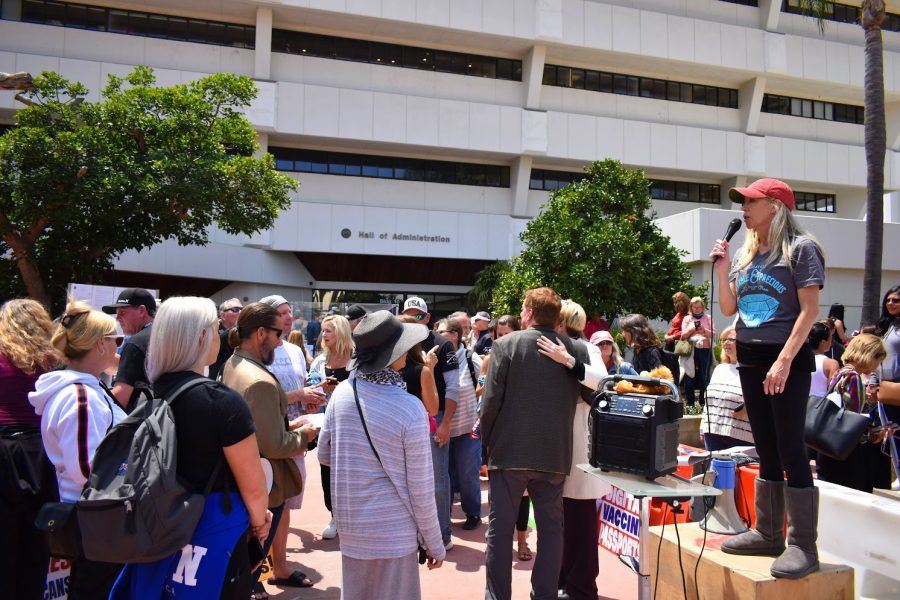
(647, 410)
(603, 405)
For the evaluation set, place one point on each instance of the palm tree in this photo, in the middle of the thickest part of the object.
(875, 143)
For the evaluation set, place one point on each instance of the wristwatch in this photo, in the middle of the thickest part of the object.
(570, 363)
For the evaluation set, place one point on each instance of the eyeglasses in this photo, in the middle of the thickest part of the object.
(446, 331)
(605, 344)
(233, 309)
(732, 340)
(119, 339)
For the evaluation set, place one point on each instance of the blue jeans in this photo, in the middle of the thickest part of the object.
(276, 518)
(465, 456)
(440, 460)
(703, 357)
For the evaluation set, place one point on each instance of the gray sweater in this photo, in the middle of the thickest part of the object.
(529, 403)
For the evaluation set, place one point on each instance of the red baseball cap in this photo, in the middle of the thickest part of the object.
(764, 188)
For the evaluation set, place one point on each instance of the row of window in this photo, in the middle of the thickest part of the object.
(410, 57)
(814, 202)
(679, 191)
(841, 13)
(131, 22)
(813, 109)
(743, 2)
(389, 167)
(632, 85)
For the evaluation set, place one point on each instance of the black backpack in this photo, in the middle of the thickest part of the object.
(133, 509)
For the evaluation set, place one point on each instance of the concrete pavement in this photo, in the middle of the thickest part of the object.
(461, 576)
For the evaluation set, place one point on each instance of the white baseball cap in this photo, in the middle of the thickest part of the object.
(416, 303)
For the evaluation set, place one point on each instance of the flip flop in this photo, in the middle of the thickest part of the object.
(297, 579)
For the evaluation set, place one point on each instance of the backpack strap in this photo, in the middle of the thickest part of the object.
(84, 460)
(183, 388)
(471, 368)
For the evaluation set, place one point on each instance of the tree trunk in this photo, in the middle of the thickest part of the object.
(875, 142)
(28, 269)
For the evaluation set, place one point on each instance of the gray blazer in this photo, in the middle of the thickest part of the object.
(528, 405)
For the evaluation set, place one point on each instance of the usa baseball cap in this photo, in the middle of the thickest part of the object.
(764, 188)
(414, 302)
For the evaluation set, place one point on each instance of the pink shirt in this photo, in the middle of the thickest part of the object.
(688, 331)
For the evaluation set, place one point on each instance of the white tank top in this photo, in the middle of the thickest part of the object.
(819, 384)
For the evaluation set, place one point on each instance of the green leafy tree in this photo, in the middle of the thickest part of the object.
(875, 141)
(596, 242)
(81, 182)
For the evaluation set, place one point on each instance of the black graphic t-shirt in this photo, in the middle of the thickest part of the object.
(767, 297)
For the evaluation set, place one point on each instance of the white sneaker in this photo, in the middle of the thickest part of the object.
(448, 546)
(896, 485)
(330, 531)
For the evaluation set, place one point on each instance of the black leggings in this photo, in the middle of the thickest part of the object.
(777, 423)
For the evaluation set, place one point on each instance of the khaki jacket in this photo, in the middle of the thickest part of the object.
(268, 403)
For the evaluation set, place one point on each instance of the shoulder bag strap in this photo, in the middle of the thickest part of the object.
(366, 429)
(471, 369)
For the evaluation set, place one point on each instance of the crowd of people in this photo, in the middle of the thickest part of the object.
(407, 414)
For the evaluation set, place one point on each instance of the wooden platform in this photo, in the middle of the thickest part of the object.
(735, 577)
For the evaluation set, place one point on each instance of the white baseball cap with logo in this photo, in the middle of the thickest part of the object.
(414, 302)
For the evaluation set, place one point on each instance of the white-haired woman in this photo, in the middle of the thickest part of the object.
(216, 447)
(331, 367)
(774, 285)
(76, 412)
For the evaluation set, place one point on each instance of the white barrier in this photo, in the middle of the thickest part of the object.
(863, 531)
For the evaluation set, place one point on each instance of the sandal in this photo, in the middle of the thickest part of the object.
(259, 592)
(524, 552)
(297, 579)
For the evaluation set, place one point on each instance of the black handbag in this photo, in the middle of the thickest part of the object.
(59, 522)
(833, 430)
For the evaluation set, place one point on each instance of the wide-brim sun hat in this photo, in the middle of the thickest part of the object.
(381, 339)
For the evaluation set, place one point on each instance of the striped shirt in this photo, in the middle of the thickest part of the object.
(723, 395)
(374, 505)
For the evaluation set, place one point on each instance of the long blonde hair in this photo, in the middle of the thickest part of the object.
(784, 235)
(343, 339)
(25, 329)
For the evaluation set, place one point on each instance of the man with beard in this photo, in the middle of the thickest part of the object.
(254, 338)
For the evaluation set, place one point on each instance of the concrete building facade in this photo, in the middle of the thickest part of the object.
(431, 131)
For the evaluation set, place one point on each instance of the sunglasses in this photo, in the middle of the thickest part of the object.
(277, 330)
(605, 344)
(119, 339)
(446, 331)
(892, 301)
(233, 309)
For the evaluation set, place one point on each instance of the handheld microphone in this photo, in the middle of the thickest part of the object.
(733, 227)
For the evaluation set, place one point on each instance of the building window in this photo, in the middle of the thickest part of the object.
(743, 2)
(813, 202)
(394, 55)
(684, 191)
(679, 191)
(131, 22)
(389, 167)
(646, 87)
(813, 109)
(840, 13)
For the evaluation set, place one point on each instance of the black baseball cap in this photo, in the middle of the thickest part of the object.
(356, 312)
(133, 297)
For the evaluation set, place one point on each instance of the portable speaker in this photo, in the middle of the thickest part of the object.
(634, 433)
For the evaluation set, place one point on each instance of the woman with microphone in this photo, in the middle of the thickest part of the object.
(774, 285)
